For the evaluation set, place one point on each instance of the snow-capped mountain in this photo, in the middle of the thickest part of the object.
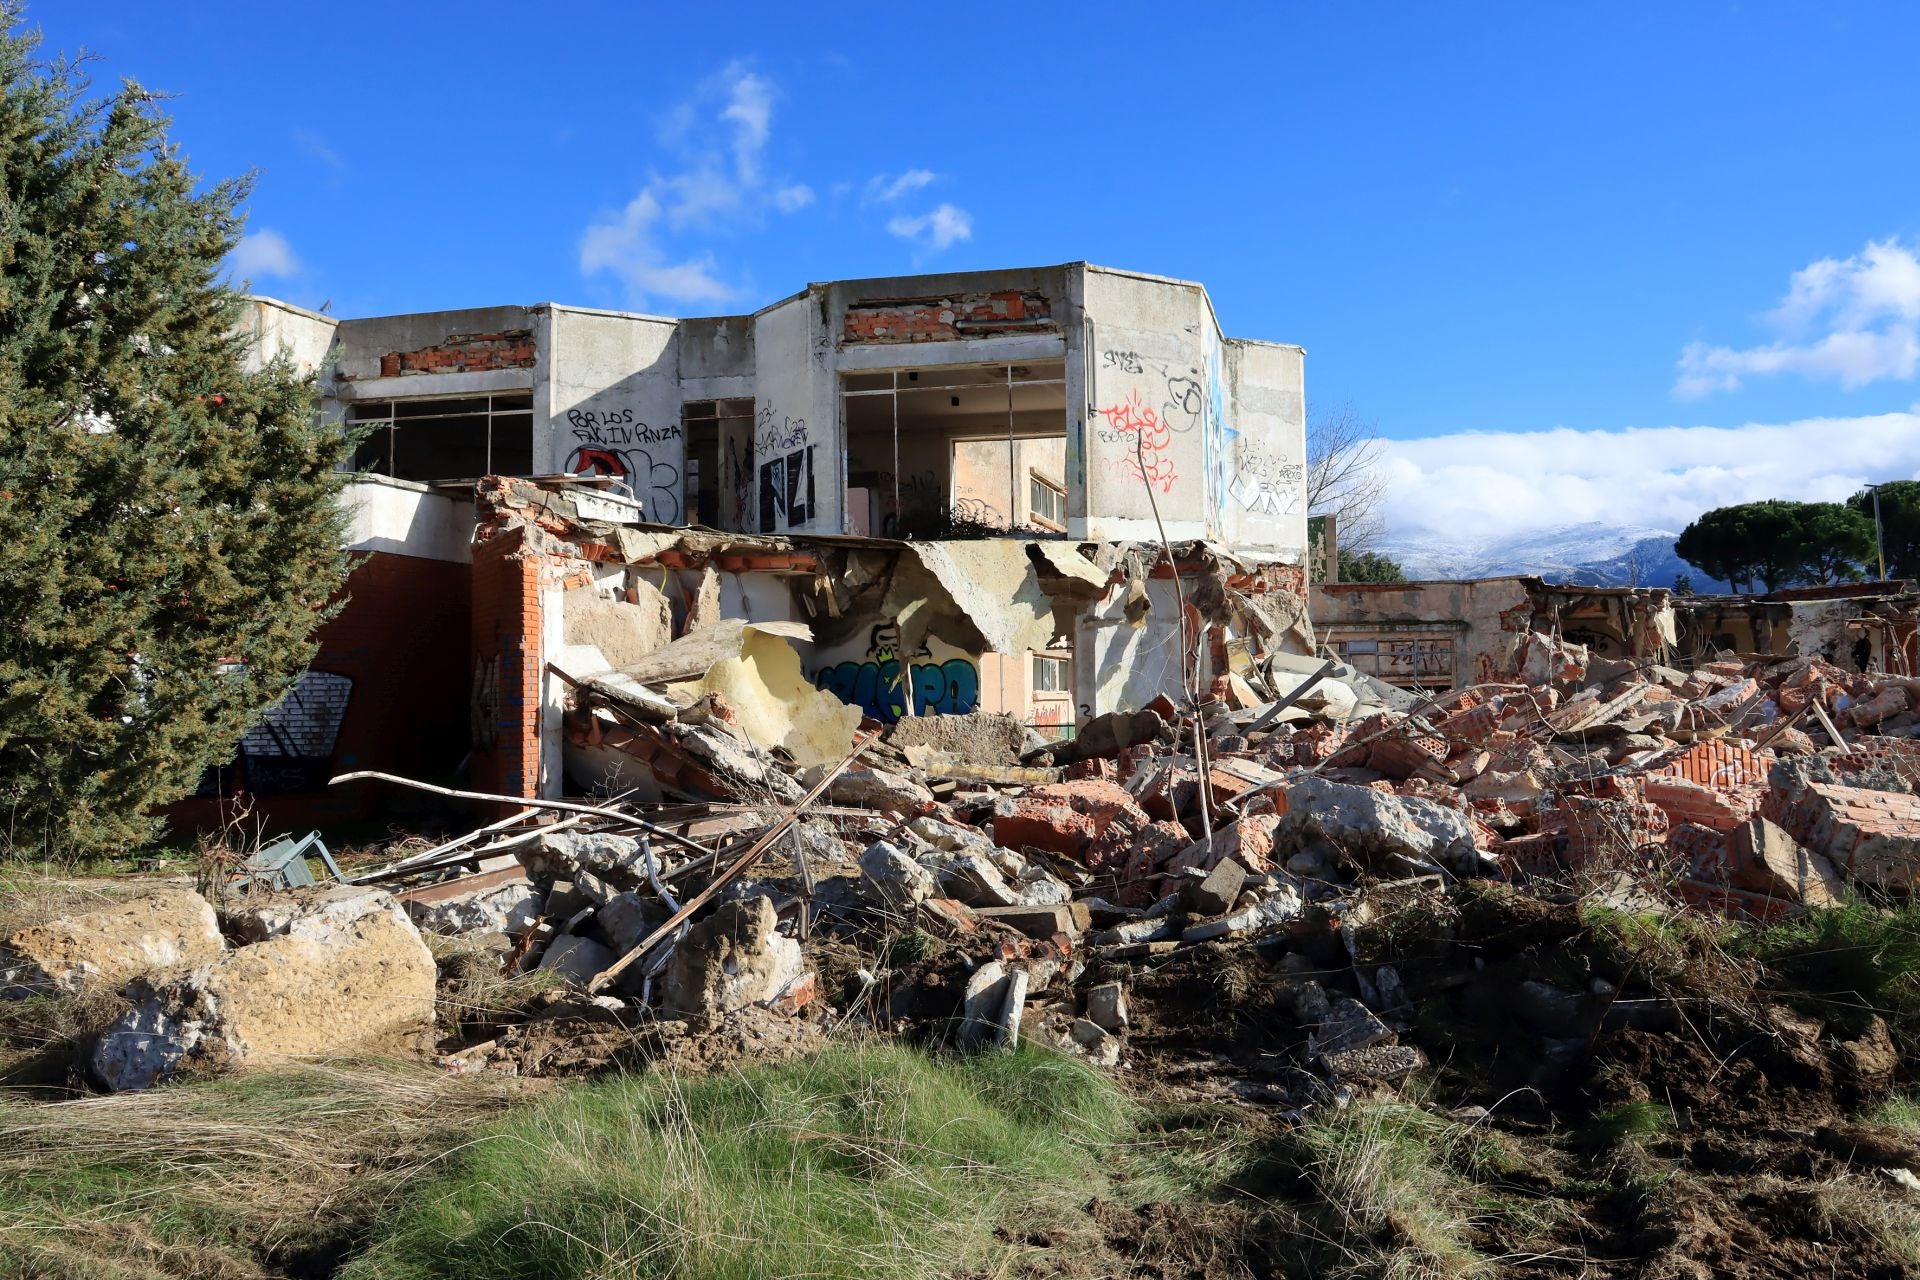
(1590, 554)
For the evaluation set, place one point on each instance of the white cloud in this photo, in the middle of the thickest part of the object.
(316, 146)
(1486, 485)
(721, 136)
(627, 247)
(1865, 311)
(750, 110)
(884, 190)
(262, 254)
(944, 226)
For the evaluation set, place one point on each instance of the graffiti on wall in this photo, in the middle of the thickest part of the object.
(1145, 437)
(655, 482)
(1264, 483)
(616, 428)
(291, 749)
(786, 491)
(776, 433)
(881, 685)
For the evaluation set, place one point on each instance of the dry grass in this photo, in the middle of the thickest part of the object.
(1385, 1179)
(1889, 1214)
(227, 1178)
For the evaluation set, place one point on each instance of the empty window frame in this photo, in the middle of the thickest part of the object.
(935, 450)
(1047, 502)
(718, 478)
(457, 438)
(1049, 674)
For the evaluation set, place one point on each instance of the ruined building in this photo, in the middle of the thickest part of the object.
(927, 493)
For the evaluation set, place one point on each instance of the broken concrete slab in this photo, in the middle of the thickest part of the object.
(892, 880)
(1361, 820)
(1070, 918)
(576, 958)
(166, 928)
(870, 788)
(1348, 1025)
(505, 901)
(366, 985)
(734, 958)
(1107, 1006)
(981, 737)
(1216, 894)
(319, 912)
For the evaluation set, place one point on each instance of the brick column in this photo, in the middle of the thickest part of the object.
(508, 666)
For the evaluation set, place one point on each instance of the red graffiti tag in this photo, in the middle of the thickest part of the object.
(1146, 438)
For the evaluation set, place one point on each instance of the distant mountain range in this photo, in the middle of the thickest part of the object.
(1593, 554)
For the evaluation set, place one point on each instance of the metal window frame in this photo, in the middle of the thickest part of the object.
(894, 389)
(391, 424)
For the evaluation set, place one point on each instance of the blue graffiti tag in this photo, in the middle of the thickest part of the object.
(939, 688)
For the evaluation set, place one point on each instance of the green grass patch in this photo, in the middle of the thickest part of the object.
(1847, 964)
(872, 1162)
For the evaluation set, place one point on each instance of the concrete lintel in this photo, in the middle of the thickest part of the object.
(922, 355)
(422, 385)
(730, 387)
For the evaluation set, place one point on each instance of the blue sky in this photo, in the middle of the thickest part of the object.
(1585, 229)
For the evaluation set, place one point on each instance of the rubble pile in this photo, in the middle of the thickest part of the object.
(1140, 894)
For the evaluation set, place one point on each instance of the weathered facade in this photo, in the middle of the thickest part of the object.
(1453, 633)
(984, 481)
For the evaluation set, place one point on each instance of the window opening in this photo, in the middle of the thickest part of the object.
(718, 476)
(949, 451)
(453, 438)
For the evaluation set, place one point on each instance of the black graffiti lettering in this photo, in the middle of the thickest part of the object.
(1124, 361)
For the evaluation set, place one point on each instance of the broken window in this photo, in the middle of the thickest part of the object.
(953, 449)
(719, 471)
(1049, 674)
(1047, 501)
(457, 438)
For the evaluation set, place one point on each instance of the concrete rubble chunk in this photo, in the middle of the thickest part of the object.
(1107, 1006)
(160, 930)
(734, 958)
(982, 1000)
(627, 918)
(870, 788)
(510, 907)
(1007, 1035)
(367, 985)
(1095, 1043)
(1278, 907)
(1767, 860)
(891, 880)
(567, 853)
(1216, 894)
(1070, 918)
(1361, 820)
(575, 958)
(1386, 1063)
(318, 913)
(1348, 1025)
(981, 737)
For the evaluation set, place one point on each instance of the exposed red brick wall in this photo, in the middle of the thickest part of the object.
(402, 638)
(465, 353)
(507, 666)
(970, 315)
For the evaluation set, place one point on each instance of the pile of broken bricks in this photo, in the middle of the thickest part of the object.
(1052, 877)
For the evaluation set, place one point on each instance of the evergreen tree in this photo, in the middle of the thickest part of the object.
(1369, 566)
(169, 514)
(1899, 522)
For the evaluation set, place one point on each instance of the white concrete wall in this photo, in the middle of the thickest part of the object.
(796, 425)
(407, 519)
(612, 404)
(1148, 380)
(276, 327)
(1263, 455)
